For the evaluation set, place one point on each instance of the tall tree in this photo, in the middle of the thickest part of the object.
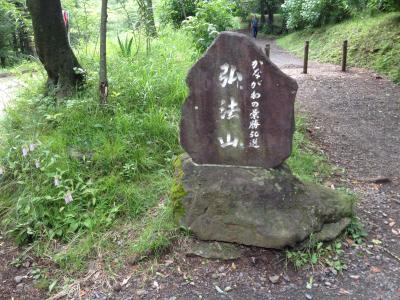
(147, 16)
(103, 82)
(151, 25)
(270, 7)
(52, 46)
(262, 12)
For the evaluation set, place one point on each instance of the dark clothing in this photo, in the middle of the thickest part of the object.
(254, 27)
(254, 32)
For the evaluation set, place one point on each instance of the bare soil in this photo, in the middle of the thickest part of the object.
(8, 87)
(355, 121)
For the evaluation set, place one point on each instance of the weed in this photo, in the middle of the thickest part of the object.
(306, 162)
(356, 231)
(328, 254)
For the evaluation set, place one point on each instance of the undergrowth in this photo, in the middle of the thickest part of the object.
(327, 254)
(84, 183)
(374, 42)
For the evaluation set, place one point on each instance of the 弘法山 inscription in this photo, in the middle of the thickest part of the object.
(240, 113)
(240, 110)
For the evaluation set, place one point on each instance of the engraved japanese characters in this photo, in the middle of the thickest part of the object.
(240, 109)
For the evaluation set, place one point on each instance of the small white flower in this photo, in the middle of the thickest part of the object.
(32, 147)
(24, 151)
(68, 198)
(37, 164)
(57, 181)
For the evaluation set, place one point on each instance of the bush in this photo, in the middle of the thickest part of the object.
(384, 5)
(312, 13)
(174, 11)
(245, 9)
(211, 18)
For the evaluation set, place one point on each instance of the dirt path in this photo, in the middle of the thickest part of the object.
(8, 87)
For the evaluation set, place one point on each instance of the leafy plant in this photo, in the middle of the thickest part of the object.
(125, 46)
(176, 11)
(318, 253)
(311, 13)
(356, 231)
(211, 18)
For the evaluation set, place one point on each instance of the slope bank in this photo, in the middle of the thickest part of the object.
(374, 42)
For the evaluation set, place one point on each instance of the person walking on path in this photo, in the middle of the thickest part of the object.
(254, 27)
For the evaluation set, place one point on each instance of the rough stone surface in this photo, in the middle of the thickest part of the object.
(332, 230)
(255, 206)
(240, 109)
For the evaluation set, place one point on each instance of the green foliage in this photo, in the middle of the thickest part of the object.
(14, 31)
(374, 42)
(356, 231)
(384, 5)
(158, 232)
(174, 11)
(326, 254)
(112, 163)
(245, 9)
(311, 13)
(125, 46)
(211, 18)
(306, 162)
(84, 22)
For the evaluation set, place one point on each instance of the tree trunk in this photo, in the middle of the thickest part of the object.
(262, 13)
(183, 9)
(53, 49)
(103, 82)
(24, 39)
(24, 33)
(150, 24)
(270, 18)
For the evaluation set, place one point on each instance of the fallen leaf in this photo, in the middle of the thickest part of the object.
(375, 270)
(396, 232)
(376, 242)
(391, 224)
(168, 262)
(125, 281)
(344, 292)
(219, 289)
(233, 266)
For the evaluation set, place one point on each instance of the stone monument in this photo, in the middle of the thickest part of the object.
(237, 127)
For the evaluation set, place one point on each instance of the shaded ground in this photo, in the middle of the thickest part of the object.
(8, 87)
(355, 120)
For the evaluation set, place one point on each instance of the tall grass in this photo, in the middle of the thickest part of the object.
(113, 162)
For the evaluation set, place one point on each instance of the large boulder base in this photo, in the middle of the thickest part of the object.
(268, 208)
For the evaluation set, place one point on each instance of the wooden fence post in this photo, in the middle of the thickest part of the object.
(305, 64)
(344, 56)
(268, 50)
